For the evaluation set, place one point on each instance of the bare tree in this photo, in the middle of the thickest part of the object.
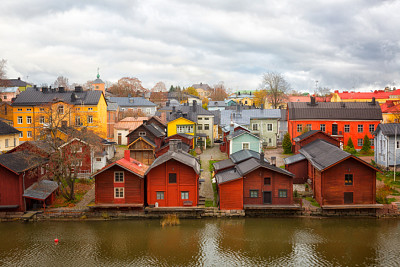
(127, 86)
(3, 71)
(219, 93)
(131, 113)
(276, 87)
(323, 92)
(62, 81)
(159, 87)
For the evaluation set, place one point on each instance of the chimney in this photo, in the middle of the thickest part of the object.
(231, 128)
(273, 161)
(61, 89)
(44, 90)
(167, 104)
(173, 109)
(127, 155)
(262, 158)
(373, 101)
(35, 87)
(342, 104)
(78, 89)
(194, 107)
(19, 78)
(313, 101)
(73, 97)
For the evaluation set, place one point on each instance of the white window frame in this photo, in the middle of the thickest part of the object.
(21, 134)
(308, 127)
(19, 120)
(6, 143)
(371, 126)
(60, 109)
(270, 129)
(148, 110)
(28, 109)
(90, 119)
(246, 143)
(142, 133)
(28, 119)
(160, 195)
(41, 120)
(255, 126)
(29, 134)
(322, 127)
(90, 109)
(200, 127)
(20, 109)
(397, 144)
(206, 127)
(360, 141)
(372, 142)
(347, 128)
(299, 128)
(360, 128)
(117, 177)
(184, 195)
(119, 192)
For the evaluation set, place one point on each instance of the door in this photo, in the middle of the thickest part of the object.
(334, 129)
(119, 138)
(172, 193)
(267, 197)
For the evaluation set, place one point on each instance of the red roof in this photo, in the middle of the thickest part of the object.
(391, 106)
(306, 98)
(378, 94)
(131, 165)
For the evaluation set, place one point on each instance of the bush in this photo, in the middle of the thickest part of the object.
(208, 143)
(193, 153)
(350, 150)
(287, 144)
(382, 195)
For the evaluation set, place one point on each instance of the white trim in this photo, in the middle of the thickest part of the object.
(121, 189)
(123, 177)
(248, 143)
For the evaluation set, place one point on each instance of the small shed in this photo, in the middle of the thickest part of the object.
(143, 150)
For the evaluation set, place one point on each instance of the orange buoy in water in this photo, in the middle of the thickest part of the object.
(56, 240)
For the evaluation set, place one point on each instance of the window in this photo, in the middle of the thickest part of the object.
(246, 145)
(372, 142)
(397, 144)
(78, 121)
(78, 109)
(184, 195)
(253, 193)
(118, 177)
(41, 109)
(5, 97)
(200, 118)
(148, 110)
(206, 126)
(142, 133)
(360, 141)
(308, 127)
(160, 195)
(41, 120)
(98, 159)
(255, 127)
(172, 178)
(118, 192)
(267, 181)
(371, 128)
(347, 128)
(360, 128)
(28, 119)
(299, 128)
(282, 193)
(20, 109)
(184, 128)
(6, 143)
(19, 120)
(348, 197)
(21, 134)
(90, 119)
(61, 109)
(207, 119)
(322, 127)
(269, 127)
(90, 109)
(348, 179)
(97, 87)
(28, 109)
(199, 127)
(42, 171)
(29, 134)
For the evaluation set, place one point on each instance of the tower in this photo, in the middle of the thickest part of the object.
(98, 84)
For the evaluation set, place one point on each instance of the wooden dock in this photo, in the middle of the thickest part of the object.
(29, 215)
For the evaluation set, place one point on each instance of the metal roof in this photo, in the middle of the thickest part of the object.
(131, 165)
(41, 190)
(223, 164)
(6, 129)
(33, 97)
(180, 156)
(322, 154)
(112, 106)
(21, 161)
(244, 154)
(388, 129)
(216, 103)
(305, 135)
(243, 117)
(13, 83)
(252, 164)
(132, 102)
(239, 133)
(335, 111)
(228, 175)
(294, 159)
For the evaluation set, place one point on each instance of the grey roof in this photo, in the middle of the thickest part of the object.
(13, 83)
(228, 175)
(33, 97)
(41, 190)
(112, 106)
(188, 112)
(294, 159)
(9, 89)
(212, 103)
(202, 86)
(132, 102)
(181, 156)
(6, 129)
(21, 161)
(305, 135)
(283, 114)
(388, 129)
(154, 129)
(226, 163)
(243, 155)
(243, 117)
(322, 154)
(252, 164)
(187, 136)
(217, 116)
(227, 128)
(335, 111)
(148, 140)
(43, 145)
(98, 80)
(239, 133)
(185, 147)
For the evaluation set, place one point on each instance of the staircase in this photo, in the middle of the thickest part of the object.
(202, 201)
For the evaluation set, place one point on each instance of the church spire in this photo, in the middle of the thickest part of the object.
(98, 74)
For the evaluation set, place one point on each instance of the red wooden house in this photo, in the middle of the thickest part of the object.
(143, 150)
(340, 120)
(254, 184)
(19, 186)
(121, 184)
(165, 148)
(82, 154)
(173, 179)
(336, 177)
(311, 136)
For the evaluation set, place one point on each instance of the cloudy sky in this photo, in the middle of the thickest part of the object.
(343, 45)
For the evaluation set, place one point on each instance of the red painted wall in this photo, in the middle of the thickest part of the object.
(133, 187)
(84, 155)
(158, 180)
(231, 195)
(300, 170)
(255, 181)
(354, 134)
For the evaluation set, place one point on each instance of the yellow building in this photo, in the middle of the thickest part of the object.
(380, 96)
(34, 110)
(9, 137)
(181, 125)
(6, 112)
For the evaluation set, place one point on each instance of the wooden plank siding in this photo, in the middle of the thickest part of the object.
(142, 151)
(300, 170)
(231, 195)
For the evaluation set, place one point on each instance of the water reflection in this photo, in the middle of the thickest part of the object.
(249, 242)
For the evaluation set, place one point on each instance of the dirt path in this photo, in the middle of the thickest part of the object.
(87, 198)
(214, 153)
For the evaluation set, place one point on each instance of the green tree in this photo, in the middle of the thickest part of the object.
(366, 148)
(287, 144)
(350, 147)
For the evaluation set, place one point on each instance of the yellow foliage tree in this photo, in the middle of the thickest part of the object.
(191, 91)
(259, 97)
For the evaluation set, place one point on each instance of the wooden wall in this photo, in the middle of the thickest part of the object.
(300, 171)
(231, 195)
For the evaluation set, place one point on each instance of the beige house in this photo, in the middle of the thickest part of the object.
(124, 127)
(9, 137)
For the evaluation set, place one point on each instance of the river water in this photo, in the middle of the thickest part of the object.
(224, 242)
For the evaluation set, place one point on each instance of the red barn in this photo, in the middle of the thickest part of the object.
(254, 183)
(337, 177)
(19, 187)
(311, 136)
(173, 179)
(121, 184)
(340, 120)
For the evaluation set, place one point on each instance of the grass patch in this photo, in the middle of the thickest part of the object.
(209, 203)
(312, 201)
(214, 185)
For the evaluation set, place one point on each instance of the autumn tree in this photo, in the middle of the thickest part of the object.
(219, 93)
(62, 81)
(88, 86)
(159, 87)
(191, 91)
(260, 96)
(131, 113)
(204, 103)
(127, 86)
(276, 87)
(3, 69)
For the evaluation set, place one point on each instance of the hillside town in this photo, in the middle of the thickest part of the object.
(197, 151)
